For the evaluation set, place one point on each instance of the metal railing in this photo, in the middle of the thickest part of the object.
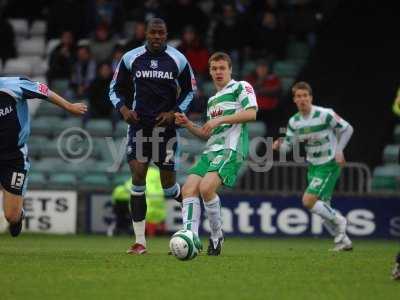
(291, 178)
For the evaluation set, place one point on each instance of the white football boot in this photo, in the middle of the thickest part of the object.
(344, 245)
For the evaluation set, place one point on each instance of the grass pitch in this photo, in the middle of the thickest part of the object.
(96, 267)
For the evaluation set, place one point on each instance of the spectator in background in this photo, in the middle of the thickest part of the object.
(147, 10)
(155, 201)
(269, 38)
(227, 35)
(396, 111)
(120, 201)
(246, 19)
(98, 91)
(243, 6)
(139, 36)
(7, 49)
(66, 15)
(31, 10)
(103, 44)
(119, 50)
(84, 71)
(62, 60)
(182, 13)
(396, 104)
(195, 52)
(106, 12)
(302, 20)
(207, 7)
(274, 6)
(268, 89)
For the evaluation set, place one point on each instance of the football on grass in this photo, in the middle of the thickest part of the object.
(184, 245)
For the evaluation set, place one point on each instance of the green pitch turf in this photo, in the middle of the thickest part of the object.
(95, 267)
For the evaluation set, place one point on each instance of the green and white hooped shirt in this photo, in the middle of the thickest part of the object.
(235, 97)
(318, 130)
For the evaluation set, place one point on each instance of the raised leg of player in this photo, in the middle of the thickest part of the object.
(318, 207)
(208, 187)
(12, 205)
(191, 208)
(334, 221)
(138, 206)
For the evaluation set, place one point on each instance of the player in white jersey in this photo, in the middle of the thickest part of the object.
(319, 127)
(228, 111)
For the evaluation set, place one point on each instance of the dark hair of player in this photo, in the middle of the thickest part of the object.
(156, 21)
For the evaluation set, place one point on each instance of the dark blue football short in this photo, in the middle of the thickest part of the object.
(157, 144)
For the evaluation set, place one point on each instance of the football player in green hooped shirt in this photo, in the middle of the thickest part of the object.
(226, 133)
(319, 127)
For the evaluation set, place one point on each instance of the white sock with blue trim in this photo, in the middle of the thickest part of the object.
(172, 192)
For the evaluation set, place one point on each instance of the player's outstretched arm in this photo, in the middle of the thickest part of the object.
(73, 108)
(240, 117)
(182, 120)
